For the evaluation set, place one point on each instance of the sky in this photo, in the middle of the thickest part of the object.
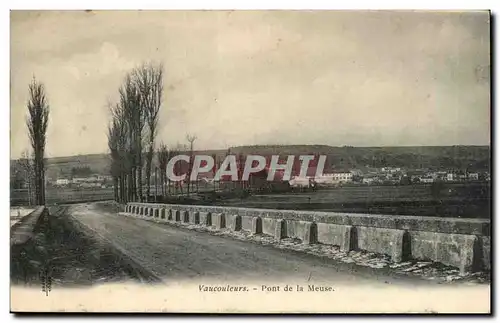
(358, 78)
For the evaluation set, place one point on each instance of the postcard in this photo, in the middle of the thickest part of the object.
(250, 161)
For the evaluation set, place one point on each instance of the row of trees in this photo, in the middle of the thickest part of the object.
(132, 134)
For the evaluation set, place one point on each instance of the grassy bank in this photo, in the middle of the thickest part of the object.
(63, 251)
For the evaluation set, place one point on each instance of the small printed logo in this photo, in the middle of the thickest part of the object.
(46, 280)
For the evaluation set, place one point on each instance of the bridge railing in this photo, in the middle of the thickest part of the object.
(459, 242)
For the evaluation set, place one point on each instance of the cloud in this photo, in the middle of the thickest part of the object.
(256, 77)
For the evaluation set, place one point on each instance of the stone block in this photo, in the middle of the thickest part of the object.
(246, 222)
(382, 241)
(485, 253)
(336, 234)
(206, 218)
(269, 226)
(302, 230)
(219, 220)
(458, 250)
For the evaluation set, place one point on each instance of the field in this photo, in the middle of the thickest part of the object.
(59, 196)
(371, 193)
(470, 200)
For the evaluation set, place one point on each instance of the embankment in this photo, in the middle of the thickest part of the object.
(49, 243)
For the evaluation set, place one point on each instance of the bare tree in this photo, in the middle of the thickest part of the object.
(119, 147)
(134, 117)
(190, 139)
(37, 122)
(163, 158)
(27, 165)
(179, 149)
(113, 133)
(149, 81)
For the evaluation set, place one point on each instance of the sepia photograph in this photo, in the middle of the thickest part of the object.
(250, 161)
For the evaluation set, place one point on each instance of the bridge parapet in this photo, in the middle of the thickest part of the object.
(463, 243)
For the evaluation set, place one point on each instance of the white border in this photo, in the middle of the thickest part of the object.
(151, 5)
(258, 4)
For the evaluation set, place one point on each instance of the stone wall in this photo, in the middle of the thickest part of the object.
(463, 243)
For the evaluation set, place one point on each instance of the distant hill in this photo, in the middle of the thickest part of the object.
(62, 166)
(433, 157)
(475, 158)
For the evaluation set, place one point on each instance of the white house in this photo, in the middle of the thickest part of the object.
(343, 177)
(390, 169)
(62, 181)
(333, 178)
(77, 180)
(300, 182)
